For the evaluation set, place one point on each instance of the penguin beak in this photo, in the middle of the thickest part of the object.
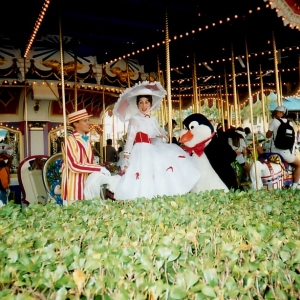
(186, 137)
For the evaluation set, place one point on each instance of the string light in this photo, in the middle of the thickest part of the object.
(228, 19)
(37, 26)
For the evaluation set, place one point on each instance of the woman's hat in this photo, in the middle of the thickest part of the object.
(126, 105)
(281, 108)
(258, 137)
(241, 133)
(78, 115)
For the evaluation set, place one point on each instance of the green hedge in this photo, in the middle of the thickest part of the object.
(213, 245)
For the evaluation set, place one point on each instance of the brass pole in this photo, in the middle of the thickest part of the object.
(234, 89)
(251, 114)
(168, 78)
(227, 101)
(276, 72)
(222, 108)
(195, 91)
(231, 112)
(26, 110)
(218, 103)
(63, 98)
(161, 108)
(280, 88)
(180, 110)
(127, 70)
(239, 109)
(163, 105)
(75, 83)
(200, 107)
(103, 120)
(262, 100)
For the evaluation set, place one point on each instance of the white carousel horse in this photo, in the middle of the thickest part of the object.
(31, 181)
(271, 173)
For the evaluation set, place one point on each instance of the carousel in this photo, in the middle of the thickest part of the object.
(53, 74)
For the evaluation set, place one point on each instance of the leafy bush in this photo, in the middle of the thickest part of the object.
(213, 245)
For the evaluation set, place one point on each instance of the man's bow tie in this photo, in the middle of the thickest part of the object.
(148, 116)
(85, 138)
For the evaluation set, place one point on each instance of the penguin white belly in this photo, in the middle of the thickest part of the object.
(209, 179)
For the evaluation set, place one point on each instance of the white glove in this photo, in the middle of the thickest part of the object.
(104, 171)
(125, 164)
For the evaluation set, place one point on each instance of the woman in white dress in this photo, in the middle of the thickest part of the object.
(152, 167)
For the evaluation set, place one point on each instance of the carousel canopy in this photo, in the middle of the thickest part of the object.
(207, 34)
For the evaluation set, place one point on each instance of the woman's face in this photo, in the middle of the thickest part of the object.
(144, 105)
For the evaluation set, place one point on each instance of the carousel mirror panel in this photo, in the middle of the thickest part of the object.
(11, 143)
(56, 137)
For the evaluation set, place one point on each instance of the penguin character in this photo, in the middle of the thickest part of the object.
(211, 153)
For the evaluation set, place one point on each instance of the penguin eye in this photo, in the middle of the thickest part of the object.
(193, 124)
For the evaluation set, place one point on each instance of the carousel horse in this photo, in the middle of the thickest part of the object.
(51, 174)
(269, 171)
(30, 179)
(195, 139)
(6, 152)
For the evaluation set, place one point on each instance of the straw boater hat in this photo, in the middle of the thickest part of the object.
(126, 105)
(78, 115)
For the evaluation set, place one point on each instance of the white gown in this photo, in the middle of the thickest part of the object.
(156, 168)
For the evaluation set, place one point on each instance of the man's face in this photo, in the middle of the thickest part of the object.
(82, 126)
(278, 114)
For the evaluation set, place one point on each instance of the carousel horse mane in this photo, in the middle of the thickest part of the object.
(37, 163)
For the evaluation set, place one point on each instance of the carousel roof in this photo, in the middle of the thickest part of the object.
(207, 33)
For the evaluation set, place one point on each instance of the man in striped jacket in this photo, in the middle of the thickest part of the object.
(78, 159)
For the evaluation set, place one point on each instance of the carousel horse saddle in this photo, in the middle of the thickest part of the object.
(276, 158)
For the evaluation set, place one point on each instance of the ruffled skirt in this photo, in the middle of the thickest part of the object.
(158, 169)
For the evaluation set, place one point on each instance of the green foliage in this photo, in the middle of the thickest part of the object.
(257, 109)
(212, 245)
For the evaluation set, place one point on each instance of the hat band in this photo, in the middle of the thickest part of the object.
(78, 117)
